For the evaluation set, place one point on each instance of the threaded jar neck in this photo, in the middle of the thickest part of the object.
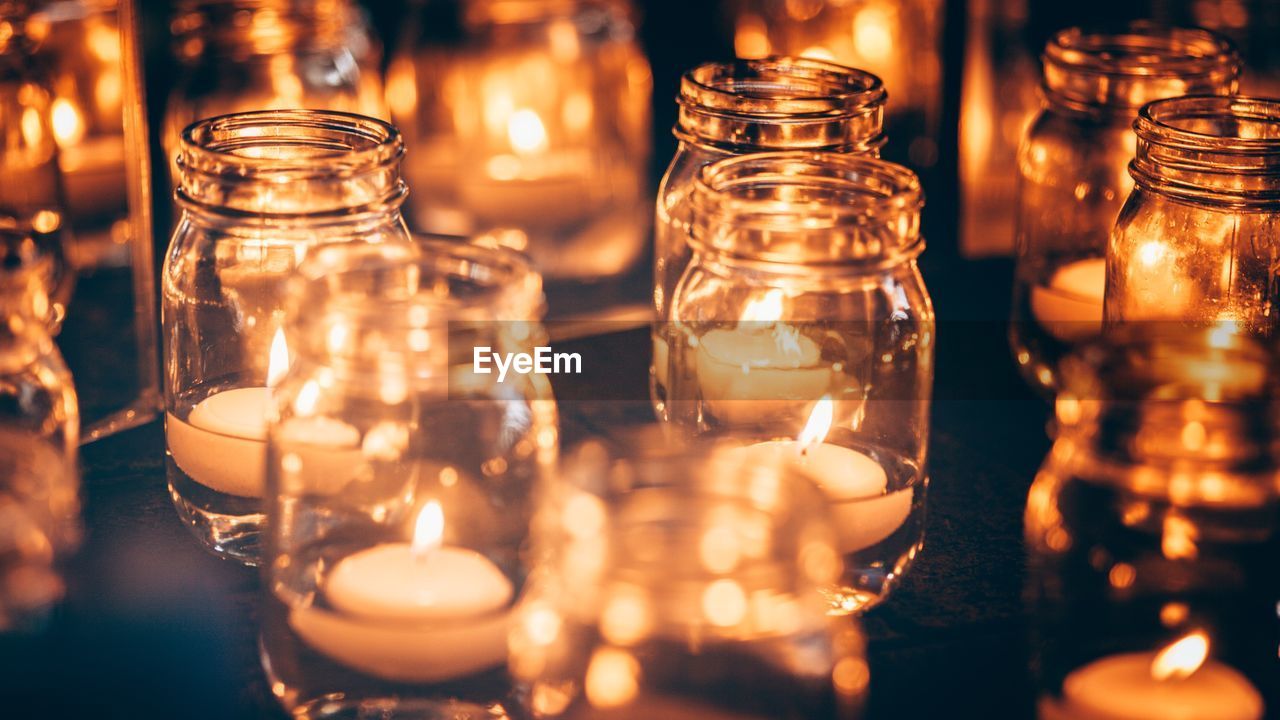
(781, 103)
(1217, 150)
(829, 210)
(289, 165)
(257, 27)
(1115, 72)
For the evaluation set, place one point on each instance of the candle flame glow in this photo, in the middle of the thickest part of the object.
(1182, 658)
(68, 123)
(766, 308)
(278, 361)
(526, 132)
(428, 532)
(819, 424)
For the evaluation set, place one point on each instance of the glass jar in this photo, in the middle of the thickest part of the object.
(39, 432)
(241, 55)
(803, 324)
(529, 123)
(1193, 242)
(1073, 163)
(1153, 528)
(744, 107)
(682, 583)
(32, 198)
(401, 481)
(898, 40)
(258, 192)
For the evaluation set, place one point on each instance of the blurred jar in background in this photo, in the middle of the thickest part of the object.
(39, 432)
(1073, 168)
(1253, 25)
(1195, 241)
(898, 40)
(527, 124)
(32, 201)
(243, 55)
(998, 99)
(682, 583)
(82, 47)
(1153, 528)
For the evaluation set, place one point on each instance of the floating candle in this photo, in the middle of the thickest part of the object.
(412, 612)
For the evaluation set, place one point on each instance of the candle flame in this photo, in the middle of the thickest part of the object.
(526, 132)
(766, 308)
(278, 362)
(428, 532)
(819, 424)
(68, 123)
(1181, 658)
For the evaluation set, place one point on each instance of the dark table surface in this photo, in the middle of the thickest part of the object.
(153, 626)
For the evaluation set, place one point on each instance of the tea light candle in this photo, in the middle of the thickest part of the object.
(1177, 682)
(412, 612)
(1070, 307)
(744, 372)
(855, 484)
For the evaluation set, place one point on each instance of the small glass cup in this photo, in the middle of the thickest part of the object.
(682, 583)
(39, 433)
(738, 108)
(1153, 528)
(529, 123)
(1193, 242)
(259, 191)
(803, 323)
(400, 481)
(1072, 165)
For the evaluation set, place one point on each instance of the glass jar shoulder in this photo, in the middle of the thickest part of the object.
(1066, 149)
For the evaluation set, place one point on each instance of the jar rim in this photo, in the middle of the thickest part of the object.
(1159, 122)
(856, 191)
(802, 101)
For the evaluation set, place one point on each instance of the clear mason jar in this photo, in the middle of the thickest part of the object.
(258, 192)
(1194, 241)
(1152, 530)
(1073, 172)
(529, 123)
(743, 107)
(401, 481)
(802, 323)
(682, 583)
(39, 433)
(240, 55)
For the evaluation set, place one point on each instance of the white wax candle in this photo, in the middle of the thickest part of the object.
(855, 485)
(222, 444)
(1070, 307)
(410, 614)
(1122, 687)
(745, 372)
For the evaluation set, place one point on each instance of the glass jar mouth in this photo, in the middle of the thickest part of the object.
(1216, 149)
(428, 285)
(781, 102)
(1125, 67)
(291, 151)
(807, 207)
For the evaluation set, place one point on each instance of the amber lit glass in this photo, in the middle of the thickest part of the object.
(243, 55)
(729, 109)
(898, 40)
(1195, 240)
(528, 124)
(39, 431)
(1153, 528)
(680, 584)
(1073, 172)
(803, 318)
(258, 192)
(400, 482)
